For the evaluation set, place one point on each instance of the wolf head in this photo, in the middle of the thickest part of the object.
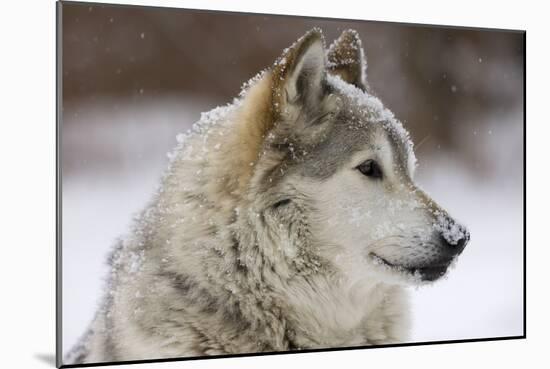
(328, 171)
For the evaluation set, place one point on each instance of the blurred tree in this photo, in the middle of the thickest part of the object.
(435, 79)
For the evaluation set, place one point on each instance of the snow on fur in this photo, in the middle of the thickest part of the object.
(378, 113)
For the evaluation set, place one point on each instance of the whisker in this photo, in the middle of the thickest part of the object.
(378, 241)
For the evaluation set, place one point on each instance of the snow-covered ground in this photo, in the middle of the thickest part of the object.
(482, 296)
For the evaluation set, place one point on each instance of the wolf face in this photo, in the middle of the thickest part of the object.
(338, 166)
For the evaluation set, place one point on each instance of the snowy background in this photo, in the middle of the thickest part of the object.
(134, 78)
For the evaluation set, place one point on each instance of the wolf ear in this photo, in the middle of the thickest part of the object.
(299, 73)
(346, 59)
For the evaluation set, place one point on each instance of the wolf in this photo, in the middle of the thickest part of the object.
(286, 220)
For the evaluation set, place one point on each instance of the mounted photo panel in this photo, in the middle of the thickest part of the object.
(241, 184)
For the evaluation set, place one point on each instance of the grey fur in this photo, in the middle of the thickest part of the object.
(232, 255)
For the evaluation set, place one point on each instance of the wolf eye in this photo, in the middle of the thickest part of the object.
(370, 168)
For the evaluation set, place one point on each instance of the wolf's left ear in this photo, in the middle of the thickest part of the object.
(299, 73)
(347, 59)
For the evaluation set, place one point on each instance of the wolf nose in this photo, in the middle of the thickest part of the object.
(457, 245)
(453, 236)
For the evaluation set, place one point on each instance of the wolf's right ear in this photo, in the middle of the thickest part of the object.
(299, 73)
(346, 59)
